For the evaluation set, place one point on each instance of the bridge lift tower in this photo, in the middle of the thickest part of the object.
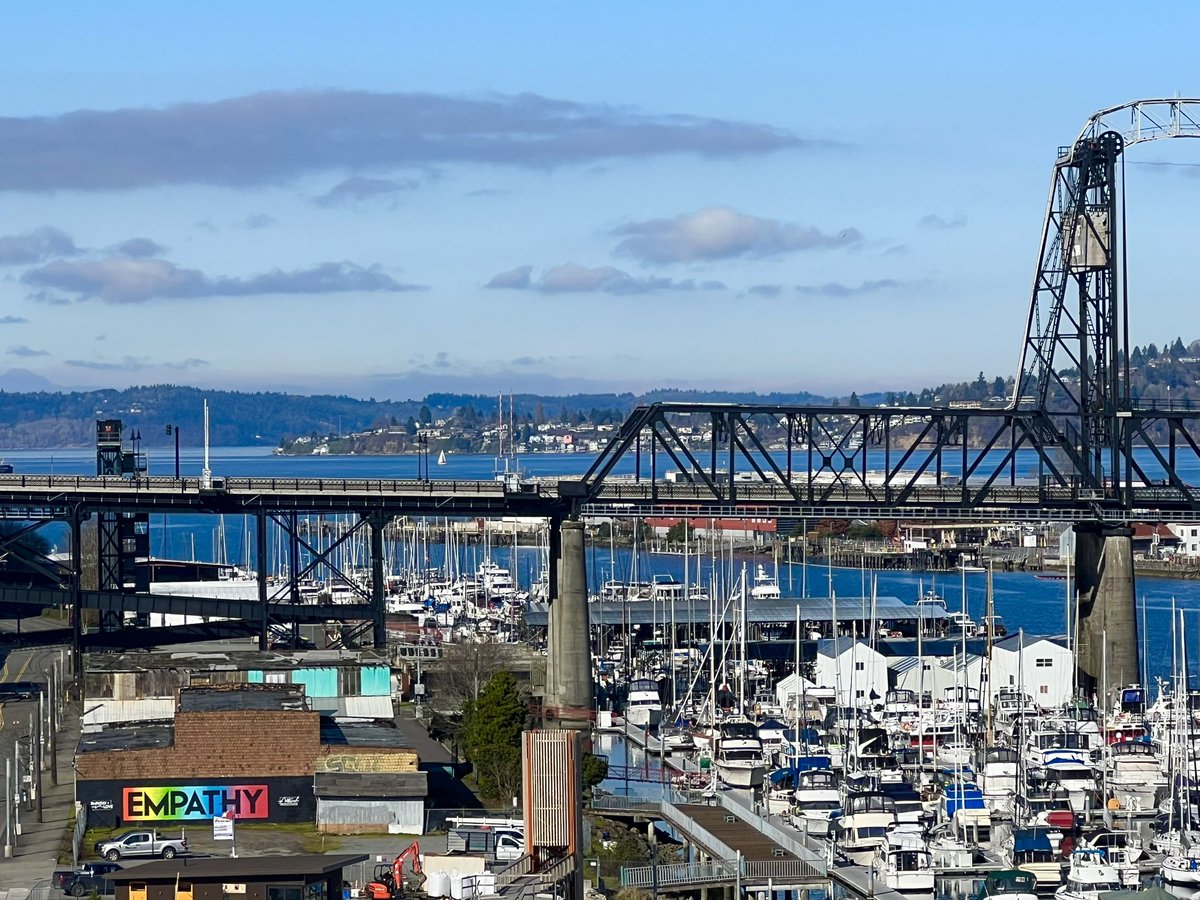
(1074, 364)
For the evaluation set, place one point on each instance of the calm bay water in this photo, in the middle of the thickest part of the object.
(1025, 601)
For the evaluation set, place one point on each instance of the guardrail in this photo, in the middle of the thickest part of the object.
(674, 874)
(780, 871)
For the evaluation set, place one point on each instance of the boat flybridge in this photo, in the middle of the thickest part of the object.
(863, 826)
(643, 707)
(765, 586)
(903, 862)
(739, 757)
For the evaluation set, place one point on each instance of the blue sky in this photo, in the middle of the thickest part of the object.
(387, 199)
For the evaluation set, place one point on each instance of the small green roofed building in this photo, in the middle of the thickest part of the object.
(302, 877)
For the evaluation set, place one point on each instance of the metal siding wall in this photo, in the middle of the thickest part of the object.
(376, 682)
(317, 682)
(408, 814)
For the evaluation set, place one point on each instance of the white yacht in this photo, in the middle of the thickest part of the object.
(998, 777)
(643, 707)
(1072, 780)
(903, 863)
(1182, 868)
(1134, 774)
(863, 826)
(495, 581)
(765, 586)
(1090, 876)
(738, 755)
(817, 801)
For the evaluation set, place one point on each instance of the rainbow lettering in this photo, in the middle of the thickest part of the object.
(175, 803)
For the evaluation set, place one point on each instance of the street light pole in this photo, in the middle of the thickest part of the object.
(174, 429)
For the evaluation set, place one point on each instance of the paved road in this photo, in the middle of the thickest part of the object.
(35, 850)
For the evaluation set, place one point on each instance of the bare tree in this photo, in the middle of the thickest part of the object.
(462, 672)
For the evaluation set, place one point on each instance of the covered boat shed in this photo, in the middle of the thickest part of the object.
(850, 612)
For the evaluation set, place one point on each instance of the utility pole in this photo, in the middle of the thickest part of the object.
(54, 689)
(39, 761)
(16, 797)
(8, 802)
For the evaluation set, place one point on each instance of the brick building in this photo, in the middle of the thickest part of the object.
(251, 750)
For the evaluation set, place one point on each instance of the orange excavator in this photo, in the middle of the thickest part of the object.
(388, 882)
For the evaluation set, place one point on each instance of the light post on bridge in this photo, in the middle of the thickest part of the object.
(174, 430)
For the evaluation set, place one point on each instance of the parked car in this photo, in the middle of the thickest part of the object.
(141, 843)
(91, 878)
(20, 690)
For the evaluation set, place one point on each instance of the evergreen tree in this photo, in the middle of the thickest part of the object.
(854, 401)
(424, 416)
(492, 727)
(1151, 352)
(1178, 350)
(1136, 358)
(999, 387)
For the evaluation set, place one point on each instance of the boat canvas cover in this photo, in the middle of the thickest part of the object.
(963, 797)
(1030, 841)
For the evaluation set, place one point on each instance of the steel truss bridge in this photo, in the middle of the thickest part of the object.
(1073, 443)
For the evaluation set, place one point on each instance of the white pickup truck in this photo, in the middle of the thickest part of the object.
(141, 843)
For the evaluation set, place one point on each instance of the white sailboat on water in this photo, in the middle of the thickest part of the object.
(441, 460)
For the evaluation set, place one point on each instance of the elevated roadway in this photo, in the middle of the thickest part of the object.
(40, 497)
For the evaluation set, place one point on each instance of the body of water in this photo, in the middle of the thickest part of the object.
(1025, 601)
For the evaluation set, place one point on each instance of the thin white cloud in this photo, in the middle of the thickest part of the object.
(137, 248)
(937, 223)
(134, 364)
(720, 232)
(35, 246)
(360, 188)
(513, 278)
(22, 350)
(258, 221)
(118, 280)
(836, 289)
(572, 278)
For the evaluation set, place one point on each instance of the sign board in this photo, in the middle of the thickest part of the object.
(233, 888)
(189, 802)
(222, 829)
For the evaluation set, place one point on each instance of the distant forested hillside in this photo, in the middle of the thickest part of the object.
(47, 419)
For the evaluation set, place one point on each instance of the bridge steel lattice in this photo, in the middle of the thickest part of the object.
(1102, 456)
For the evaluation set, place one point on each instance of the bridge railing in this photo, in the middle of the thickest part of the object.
(780, 871)
(671, 874)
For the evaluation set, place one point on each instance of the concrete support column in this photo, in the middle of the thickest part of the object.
(1107, 607)
(378, 606)
(570, 650)
(554, 567)
(264, 628)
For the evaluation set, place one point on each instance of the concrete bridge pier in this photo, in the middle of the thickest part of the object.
(569, 689)
(1107, 608)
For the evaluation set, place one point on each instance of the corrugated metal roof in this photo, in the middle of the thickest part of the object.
(99, 712)
(143, 737)
(887, 609)
(353, 707)
(394, 784)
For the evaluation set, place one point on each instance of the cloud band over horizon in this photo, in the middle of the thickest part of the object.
(222, 143)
